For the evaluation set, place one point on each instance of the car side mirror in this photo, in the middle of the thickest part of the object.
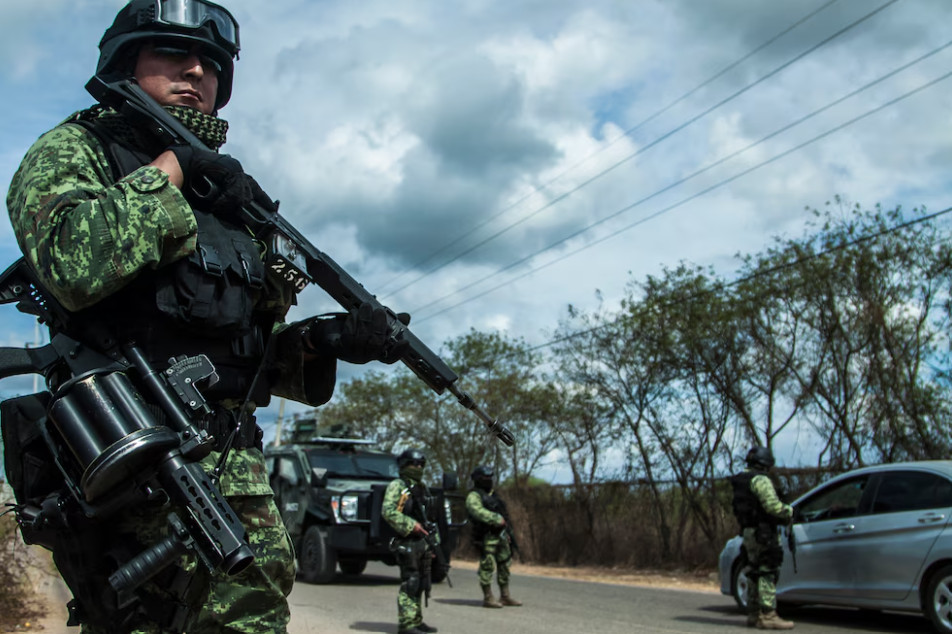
(318, 478)
(450, 481)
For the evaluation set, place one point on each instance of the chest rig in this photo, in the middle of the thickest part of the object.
(202, 304)
(493, 503)
(747, 508)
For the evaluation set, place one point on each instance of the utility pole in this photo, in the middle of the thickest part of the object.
(277, 431)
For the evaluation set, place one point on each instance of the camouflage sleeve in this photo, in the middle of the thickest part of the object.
(310, 382)
(85, 236)
(474, 505)
(763, 488)
(401, 523)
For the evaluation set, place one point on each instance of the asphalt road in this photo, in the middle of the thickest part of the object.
(554, 606)
(368, 603)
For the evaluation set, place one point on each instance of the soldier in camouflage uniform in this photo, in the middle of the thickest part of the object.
(405, 509)
(760, 512)
(113, 228)
(491, 537)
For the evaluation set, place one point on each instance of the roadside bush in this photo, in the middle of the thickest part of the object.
(17, 602)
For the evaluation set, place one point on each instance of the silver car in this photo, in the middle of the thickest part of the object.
(876, 538)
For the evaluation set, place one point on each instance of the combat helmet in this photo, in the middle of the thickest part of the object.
(760, 457)
(410, 455)
(190, 21)
(482, 472)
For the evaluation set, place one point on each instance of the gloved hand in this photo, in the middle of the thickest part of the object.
(214, 182)
(358, 336)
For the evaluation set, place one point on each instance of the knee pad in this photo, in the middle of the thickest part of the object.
(773, 557)
(411, 586)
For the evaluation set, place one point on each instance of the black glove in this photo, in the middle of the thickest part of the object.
(358, 336)
(214, 182)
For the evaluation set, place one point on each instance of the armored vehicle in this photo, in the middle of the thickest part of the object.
(329, 490)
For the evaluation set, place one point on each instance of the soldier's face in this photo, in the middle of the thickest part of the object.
(177, 76)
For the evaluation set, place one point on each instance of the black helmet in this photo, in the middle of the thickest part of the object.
(760, 456)
(410, 455)
(482, 472)
(192, 21)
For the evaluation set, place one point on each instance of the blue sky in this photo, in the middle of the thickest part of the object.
(391, 128)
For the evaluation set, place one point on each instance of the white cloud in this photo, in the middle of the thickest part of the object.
(389, 129)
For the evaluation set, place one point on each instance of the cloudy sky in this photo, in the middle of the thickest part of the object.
(485, 163)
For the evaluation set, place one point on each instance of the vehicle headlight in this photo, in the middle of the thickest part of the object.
(348, 508)
(449, 511)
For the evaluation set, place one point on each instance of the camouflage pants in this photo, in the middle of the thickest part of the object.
(764, 557)
(414, 580)
(496, 555)
(252, 601)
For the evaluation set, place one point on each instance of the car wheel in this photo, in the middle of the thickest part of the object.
(739, 583)
(352, 566)
(317, 560)
(938, 600)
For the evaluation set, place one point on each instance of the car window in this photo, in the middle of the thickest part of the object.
(912, 491)
(287, 471)
(835, 502)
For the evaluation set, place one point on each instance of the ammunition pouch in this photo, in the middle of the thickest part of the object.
(29, 466)
(222, 423)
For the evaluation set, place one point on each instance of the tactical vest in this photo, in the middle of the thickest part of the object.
(748, 510)
(493, 503)
(204, 303)
(418, 502)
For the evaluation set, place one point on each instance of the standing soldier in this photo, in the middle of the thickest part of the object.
(405, 509)
(760, 512)
(112, 229)
(491, 536)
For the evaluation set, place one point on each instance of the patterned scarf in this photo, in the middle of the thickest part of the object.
(210, 130)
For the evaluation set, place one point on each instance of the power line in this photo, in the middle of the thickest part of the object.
(699, 172)
(762, 273)
(689, 198)
(624, 135)
(646, 147)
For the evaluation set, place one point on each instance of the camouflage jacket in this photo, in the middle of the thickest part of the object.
(87, 237)
(763, 489)
(396, 496)
(474, 506)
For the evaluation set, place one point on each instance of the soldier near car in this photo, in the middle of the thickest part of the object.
(405, 506)
(760, 513)
(148, 245)
(492, 537)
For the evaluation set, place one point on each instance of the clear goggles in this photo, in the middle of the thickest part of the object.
(193, 14)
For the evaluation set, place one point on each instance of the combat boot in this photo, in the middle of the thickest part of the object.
(489, 601)
(771, 621)
(426, 629)
(504, 597)
(752, 618)
(410, 630)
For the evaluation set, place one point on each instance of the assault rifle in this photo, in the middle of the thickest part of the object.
(291, 256)
(792, 545)
(434, 547)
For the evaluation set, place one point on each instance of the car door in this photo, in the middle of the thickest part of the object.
(909, 511)
(290, 490)
(823, 523)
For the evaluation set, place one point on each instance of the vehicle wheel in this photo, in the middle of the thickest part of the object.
(938, 600)
(739, 582)
(352, 566)
(318, 561)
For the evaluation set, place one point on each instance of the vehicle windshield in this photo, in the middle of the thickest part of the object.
(344, 464)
